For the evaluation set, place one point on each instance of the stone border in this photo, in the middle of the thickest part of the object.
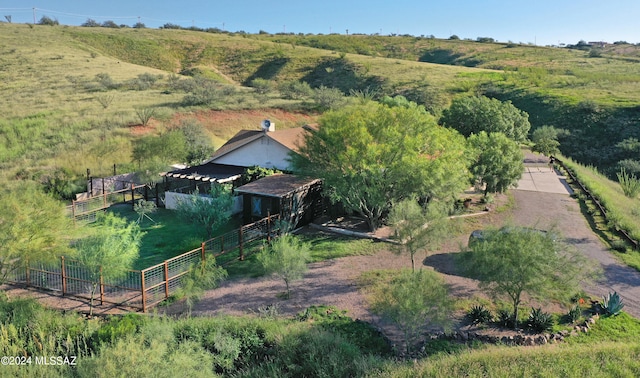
(517, 340)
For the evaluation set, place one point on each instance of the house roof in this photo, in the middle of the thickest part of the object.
(208, 172)
(278, 185)
(289, 138)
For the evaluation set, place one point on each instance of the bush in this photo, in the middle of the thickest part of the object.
(574, 313)
(479, 315)
(505, 318)
(539, 321)
(629, 184)
(612, 304)
(295, 90)
(117, 327)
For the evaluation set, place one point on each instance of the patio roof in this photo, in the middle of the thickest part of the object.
(278, 186)
(209, 172)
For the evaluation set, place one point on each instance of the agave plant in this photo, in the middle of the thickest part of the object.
(612, 304)
(479, 315)
(539, 321)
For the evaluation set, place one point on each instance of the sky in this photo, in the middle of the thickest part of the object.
(542, 22)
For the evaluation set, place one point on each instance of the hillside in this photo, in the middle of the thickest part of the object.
(77, 87)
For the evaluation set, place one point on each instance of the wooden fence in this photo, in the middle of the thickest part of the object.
(85, 210)
(623, 233)
(143, 289)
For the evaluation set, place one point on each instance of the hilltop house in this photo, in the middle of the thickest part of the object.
(267, 148)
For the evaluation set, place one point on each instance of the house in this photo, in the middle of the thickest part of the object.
(267, 148)
(295, 198)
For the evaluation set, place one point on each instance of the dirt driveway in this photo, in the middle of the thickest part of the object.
(541, 201)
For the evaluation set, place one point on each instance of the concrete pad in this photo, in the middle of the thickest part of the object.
(542, 179)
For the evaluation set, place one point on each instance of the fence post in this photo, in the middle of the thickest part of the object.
(133, 198)
(268, 227)
(241, 242)
(166, 279)
(221, 243)
(73, 211)
(103, 189)
(101, 288)
(64, 276)
(26, 274)
(143, 292)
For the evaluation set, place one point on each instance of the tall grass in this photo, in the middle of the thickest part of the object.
(629, 184)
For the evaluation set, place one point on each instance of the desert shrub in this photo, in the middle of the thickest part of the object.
(201, 91)
(328, 98)
(361, 334)
(261, 86)
(295, 90)
(539, 321)
(117, 327)
(505, 318)
(105, 80)
(574, 313)
(629, 184)
(479, 315)
(46, 20)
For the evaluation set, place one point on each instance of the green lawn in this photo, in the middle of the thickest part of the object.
(169, 236)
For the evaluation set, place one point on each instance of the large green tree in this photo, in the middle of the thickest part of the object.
(513, 260)
(372, 155)
(110, 251)
(545, 139)
(471, 115)
(497, 161)
(33, 228)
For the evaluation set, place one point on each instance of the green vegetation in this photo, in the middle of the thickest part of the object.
(110, 251)
(286, 257)
(419, 229)
(622, 211)
(371, 155)
(512, 261)
(208, 213)
(413, 300)
(497, 161)
(34, 228)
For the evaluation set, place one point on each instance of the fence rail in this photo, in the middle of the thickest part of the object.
(84, 210)
(141, 289)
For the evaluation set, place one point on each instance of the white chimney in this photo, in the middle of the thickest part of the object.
(267, 126)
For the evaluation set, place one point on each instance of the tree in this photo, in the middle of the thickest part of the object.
(198, 143)
(513, 260)
(545, 140)
(204, 276)
(418, 229)
(211, 211)
(471, 115)
(413, 301)
(110, 251)
(46, 20)
(33, 227)
(328, 98)
(163, 149)
(90, 23)
(372, 155)
(286, 258)
(498, 161)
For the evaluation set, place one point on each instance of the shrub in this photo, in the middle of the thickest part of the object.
(479, 315)
(629, 184)
(117, 327)
(539, 321)
(574, 313)
(505, 318)
(612, 304)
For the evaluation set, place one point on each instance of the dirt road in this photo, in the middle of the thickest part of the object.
(538, 206)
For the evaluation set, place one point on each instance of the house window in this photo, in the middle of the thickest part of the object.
(256, 206)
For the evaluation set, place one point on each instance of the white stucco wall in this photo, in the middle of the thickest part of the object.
(263, 152)
(171, 200)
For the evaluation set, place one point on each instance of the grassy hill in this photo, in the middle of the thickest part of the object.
(71, 93)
